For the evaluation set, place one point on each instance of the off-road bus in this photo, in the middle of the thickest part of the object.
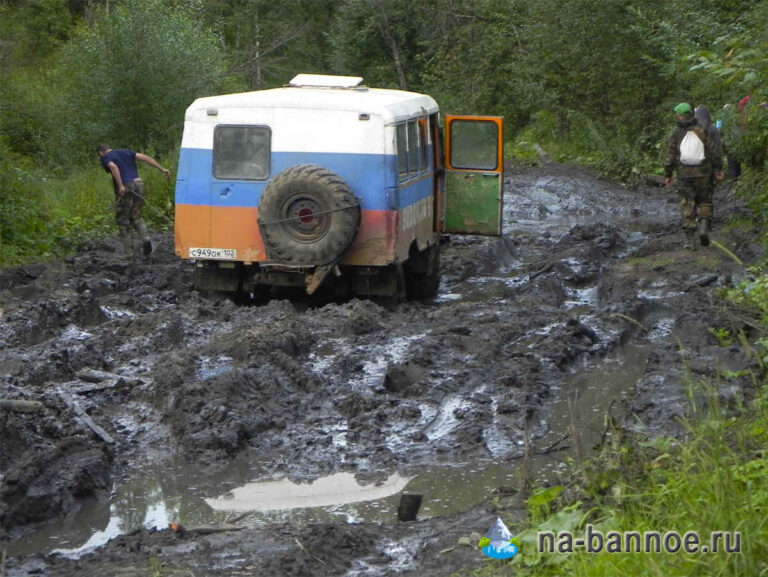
(328, 183)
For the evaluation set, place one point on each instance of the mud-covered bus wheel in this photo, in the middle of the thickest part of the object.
(422, 273)
(308, 216)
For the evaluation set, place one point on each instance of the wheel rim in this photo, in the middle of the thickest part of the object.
(308, 222)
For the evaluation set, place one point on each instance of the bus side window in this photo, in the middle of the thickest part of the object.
(413, 148)
(423, 142)
(402, 153)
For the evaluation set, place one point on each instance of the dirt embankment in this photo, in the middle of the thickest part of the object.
(132, 368)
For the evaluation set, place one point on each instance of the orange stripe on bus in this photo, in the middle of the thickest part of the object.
(237, 228)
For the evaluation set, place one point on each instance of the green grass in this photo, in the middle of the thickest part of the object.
(46, 216)
(752, 294)
(713, 479)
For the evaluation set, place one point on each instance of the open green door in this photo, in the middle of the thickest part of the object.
(474, 175)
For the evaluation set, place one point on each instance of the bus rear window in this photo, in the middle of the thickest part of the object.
(241, 152)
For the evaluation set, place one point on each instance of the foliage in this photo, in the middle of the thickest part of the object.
(129, 78)
(752, 293)
(540, 501)
(735, 67)
(26, 99)
(270, 41)
(583, 81)
(380, 38)
(583, 56)
(479, 60)
(46, 24)
(724, 336)
(713, 481)
(42, 217)
(21, 218)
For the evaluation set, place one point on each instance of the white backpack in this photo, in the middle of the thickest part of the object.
(691, 149)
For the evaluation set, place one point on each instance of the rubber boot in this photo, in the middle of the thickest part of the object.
(704, 228)
(126, 238)
(141, 228)
(689, 242)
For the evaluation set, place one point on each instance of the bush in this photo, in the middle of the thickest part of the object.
(129, 78)
(21, 214)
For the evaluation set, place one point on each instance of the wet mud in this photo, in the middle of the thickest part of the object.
(154, 402)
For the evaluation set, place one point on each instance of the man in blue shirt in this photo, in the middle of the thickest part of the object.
(129, 192)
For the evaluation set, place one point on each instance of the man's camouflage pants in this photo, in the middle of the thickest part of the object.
(695, 200)
(128, 214)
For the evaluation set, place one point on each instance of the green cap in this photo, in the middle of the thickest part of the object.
(683, 108)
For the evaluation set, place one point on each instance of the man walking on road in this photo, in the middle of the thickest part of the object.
(697, 159)
(129, 192)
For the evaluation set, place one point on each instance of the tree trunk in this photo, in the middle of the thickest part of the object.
(386, 32)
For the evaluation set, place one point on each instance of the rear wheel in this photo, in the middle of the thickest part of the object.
(422, 273)
(308, 216)
(396, 281)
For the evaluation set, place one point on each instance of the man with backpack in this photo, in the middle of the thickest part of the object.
(696, 157)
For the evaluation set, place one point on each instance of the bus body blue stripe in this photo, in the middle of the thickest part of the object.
(372, 177)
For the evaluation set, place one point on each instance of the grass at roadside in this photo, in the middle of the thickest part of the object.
(713, 480)
(43, 216)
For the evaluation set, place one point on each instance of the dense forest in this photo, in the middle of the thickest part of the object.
(590, 81)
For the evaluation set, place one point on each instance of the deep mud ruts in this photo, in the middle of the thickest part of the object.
(137, 371)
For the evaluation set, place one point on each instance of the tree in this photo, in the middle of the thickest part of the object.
(269, 41)
(475, 58)
(378, 39)
(129, 78)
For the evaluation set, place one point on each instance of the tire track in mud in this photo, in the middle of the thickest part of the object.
(305, 390)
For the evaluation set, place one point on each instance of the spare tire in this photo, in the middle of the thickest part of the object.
(308, 216)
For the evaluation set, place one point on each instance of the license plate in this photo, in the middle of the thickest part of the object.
(213, 253)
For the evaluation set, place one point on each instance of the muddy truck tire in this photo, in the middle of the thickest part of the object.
(422, 273)
(308, 216)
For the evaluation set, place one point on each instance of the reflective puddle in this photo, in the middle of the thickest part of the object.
(151, 498)
(285, 495)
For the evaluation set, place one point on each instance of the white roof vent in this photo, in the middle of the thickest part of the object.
(326, 81)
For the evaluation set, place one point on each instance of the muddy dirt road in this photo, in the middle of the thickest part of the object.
(302, 422)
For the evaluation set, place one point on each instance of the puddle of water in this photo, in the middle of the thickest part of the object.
(72, 333)
(154, 497)
(448, 297)
(96, 540)
(581, 299)
(384, 355)
(589, 394)
(285, 495)
(210, 368)
(546, 329)
(661, 330)
(115, 313)
(658, 294)
(148, 497)
(323, 356)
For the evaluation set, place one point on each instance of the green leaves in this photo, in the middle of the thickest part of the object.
(129, 77)
(539, 503)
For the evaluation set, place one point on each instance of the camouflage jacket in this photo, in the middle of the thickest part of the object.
(713, 155)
